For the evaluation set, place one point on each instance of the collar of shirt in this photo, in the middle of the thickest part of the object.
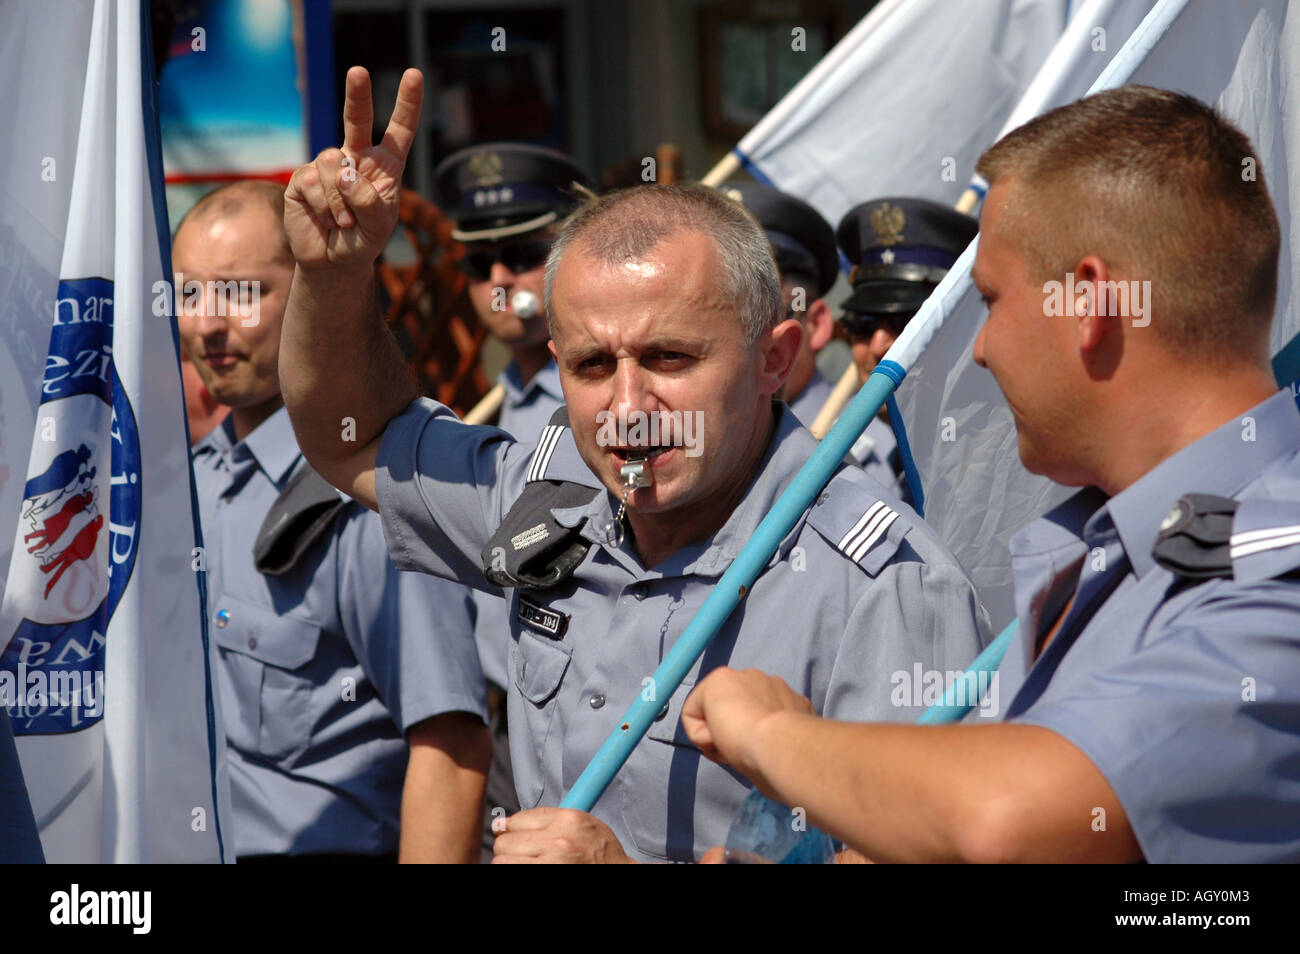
(1221, 462)
(271, 445)
(1050, 556)
(547, 380)
(788, 451)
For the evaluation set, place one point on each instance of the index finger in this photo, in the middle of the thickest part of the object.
(358, 112)
(405, 120)
(532, 819)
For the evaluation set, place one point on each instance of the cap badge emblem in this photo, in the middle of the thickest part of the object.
(888, 221)
(486, 168)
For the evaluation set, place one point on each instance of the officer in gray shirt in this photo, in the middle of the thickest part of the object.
(667, 327)
(351, 693)
(1150, 700)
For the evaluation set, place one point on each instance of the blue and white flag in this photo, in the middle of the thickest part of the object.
(1242, 57)
(905, 103)
(104, 665)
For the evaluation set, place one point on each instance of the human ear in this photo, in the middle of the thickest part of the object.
(780, 345)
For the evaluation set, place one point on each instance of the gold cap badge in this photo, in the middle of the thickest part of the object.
(486, 168)
(888, 221)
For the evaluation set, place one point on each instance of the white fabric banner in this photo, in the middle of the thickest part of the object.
(104, 667)
(905, 103)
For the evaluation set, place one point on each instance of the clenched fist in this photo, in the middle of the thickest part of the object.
(723, 712)
(340, 209)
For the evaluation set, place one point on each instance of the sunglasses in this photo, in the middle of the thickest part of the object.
(516, 256)
(859, 325)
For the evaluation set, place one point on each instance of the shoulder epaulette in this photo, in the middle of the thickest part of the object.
(864, 527)
(1265, 541)
(1205, 536)
(303, 511)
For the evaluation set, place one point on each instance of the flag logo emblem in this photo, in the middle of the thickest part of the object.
(79, 519)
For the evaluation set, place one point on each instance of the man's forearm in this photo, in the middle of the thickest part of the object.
(341, 372)
(442, 797)
(942, 793)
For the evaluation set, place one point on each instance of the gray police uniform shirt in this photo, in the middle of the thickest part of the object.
(873, 450)
(860, 589)
(322, 669)
(1185, 694)
(526, 410)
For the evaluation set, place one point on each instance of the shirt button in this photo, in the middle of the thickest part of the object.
(597, 700)
(223, 617)
(252, 642)
(639, 590)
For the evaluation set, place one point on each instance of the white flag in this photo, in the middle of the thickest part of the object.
(905, 103)
(1242, 57)
(104, 669)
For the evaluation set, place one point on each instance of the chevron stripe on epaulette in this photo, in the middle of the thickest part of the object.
(545, 448)
(1257, 541)
(868, 531)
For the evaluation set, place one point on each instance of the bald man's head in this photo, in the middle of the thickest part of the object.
(236, 198)
(234, 270)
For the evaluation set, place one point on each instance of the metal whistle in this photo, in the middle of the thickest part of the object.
(635, 475)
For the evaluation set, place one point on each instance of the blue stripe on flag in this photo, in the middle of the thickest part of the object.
(910, 473)
(153, 152)
(896, 372)
(748, 165)
(845, 265)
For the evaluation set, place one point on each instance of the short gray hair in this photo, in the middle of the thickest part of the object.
(622, 226)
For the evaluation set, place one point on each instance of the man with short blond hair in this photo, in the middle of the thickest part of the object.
(1152, 691)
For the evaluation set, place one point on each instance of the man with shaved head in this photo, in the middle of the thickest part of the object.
(610, 528)
(351, 693)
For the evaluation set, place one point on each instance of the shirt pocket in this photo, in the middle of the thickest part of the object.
(672, 798)
(270, 681)
(539, 665)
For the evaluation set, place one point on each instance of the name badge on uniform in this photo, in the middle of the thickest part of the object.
(538, 618)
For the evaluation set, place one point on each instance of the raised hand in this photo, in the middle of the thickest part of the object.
(340, 209)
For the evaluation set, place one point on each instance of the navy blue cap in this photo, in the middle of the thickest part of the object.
(502, 189)
(900, 248)
(802, 241)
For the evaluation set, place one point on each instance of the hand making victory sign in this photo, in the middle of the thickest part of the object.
(341, 208)
(338, 361)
